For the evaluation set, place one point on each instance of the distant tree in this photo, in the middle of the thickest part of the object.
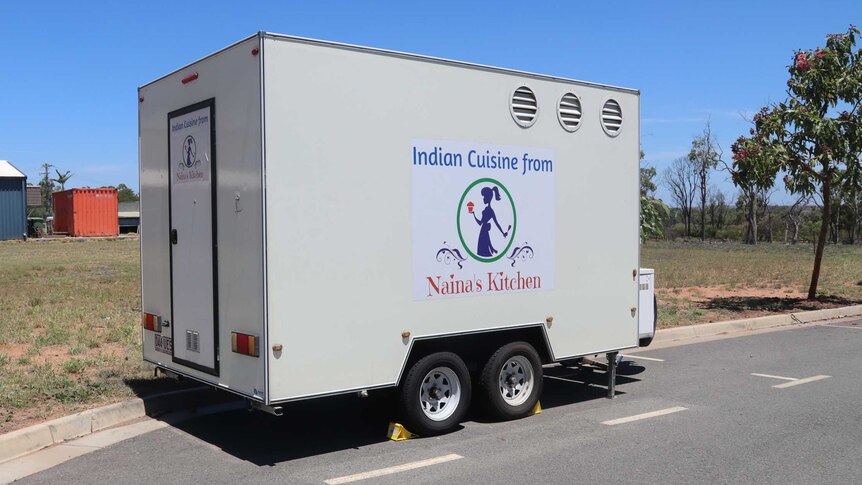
(854, 215)
(126, 194)
(815, 135)
(62, 178)
(765, 211)
(717, 209)
(704, 156)
(648, 186)
(681, 180)
(793, 218)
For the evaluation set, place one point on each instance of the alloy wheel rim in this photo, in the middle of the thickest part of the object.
(440, 393)
(516, 380)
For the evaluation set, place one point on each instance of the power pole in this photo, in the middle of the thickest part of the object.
(46, 192)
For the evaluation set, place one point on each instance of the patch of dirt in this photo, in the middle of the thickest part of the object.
(747, 302)
(14, 351)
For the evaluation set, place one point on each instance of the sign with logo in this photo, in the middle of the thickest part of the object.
(190, 146)
(483, 219)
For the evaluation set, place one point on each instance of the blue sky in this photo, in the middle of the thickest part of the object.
(71, 69)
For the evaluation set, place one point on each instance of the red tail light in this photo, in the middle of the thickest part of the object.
(151, 322)
(245, 344)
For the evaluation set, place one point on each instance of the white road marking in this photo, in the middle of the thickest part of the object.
(562, 379)
(801, 381)
(775, 377)
(842, 326)
(638, 417)
(636, 357)
(393, 469)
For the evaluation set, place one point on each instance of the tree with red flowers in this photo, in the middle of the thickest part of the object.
(815, 135)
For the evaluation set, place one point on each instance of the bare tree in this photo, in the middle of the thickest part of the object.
(748, 202)
(765, 210)
(793, 218)
(681, 180)
(854, 205)
(717, 209)
(704, 157)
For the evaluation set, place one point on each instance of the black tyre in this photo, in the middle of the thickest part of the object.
(511, 381)
(435, 394)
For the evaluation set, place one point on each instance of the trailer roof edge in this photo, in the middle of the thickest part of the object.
(405, 55)
(258, 34)
(442, 60)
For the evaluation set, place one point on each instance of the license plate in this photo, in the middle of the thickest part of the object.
(164, 344)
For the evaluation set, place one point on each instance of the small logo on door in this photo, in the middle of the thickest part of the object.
(190, 151)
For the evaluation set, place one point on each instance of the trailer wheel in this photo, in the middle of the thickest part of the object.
(435, 394)
(511, 381)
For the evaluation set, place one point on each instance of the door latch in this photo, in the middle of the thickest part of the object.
(173, 236)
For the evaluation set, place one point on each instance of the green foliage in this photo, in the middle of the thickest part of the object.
(653, 210)
(62, 178)
(126, 194)
(653, 214)
(648, 186)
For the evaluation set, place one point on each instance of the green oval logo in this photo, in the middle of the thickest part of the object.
(485, 221)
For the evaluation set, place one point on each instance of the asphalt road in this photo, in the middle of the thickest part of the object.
(735, 428)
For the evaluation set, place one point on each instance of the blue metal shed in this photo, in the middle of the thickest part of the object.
(13, 202)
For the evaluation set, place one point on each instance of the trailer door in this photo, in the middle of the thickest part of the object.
(194, 258)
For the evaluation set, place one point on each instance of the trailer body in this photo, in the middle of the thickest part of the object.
(313, 213)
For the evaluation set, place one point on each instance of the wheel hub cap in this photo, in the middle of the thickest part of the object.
(440, 393)
(516, 380)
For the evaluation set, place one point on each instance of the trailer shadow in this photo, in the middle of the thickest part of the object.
(564, 386)
(741, 304)
(326, 425)
(307, 428)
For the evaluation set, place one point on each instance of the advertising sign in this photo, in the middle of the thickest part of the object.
(483, 219)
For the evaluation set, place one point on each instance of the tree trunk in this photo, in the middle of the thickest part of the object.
(821, 239)
(837, 222)
(752, 218)
(769, 226)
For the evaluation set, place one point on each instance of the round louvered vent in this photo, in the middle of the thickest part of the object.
(524, 106)
(612, 118)
(570, 112)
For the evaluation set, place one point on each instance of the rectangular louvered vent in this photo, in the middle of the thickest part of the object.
(193, 341)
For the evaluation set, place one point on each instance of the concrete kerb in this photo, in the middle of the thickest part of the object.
(23, 441)
(718, 328)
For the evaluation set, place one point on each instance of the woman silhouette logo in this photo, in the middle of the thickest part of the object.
(486, 220)
(189, 151)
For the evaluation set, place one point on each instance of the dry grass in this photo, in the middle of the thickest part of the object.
(69, 328)
(699, 283)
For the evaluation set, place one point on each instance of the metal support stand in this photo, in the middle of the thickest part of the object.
(612, 374)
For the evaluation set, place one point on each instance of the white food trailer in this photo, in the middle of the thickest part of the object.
(320, 218)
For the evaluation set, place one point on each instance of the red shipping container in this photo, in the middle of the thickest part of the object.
(86, 212)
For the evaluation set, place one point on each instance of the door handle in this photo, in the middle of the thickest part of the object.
(173, 236)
